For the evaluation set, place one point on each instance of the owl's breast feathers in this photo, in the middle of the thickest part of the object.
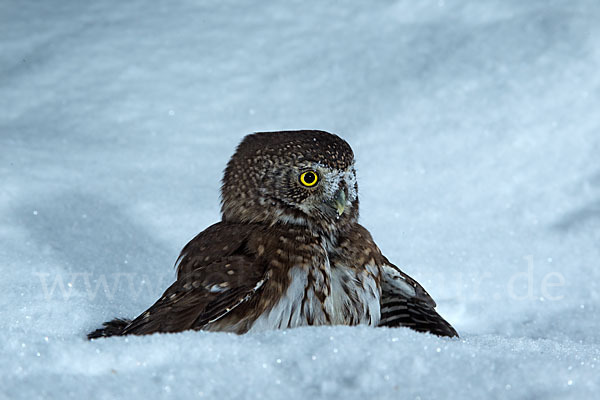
(299, 283)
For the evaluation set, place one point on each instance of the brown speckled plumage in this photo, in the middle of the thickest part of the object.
(286, 254)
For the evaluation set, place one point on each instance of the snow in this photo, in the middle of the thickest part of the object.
(475, 126)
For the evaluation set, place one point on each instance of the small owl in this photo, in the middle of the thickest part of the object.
(288, 252)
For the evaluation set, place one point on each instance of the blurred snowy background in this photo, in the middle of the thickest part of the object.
(476, 128)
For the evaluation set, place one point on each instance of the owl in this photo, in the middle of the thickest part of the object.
(288, 251)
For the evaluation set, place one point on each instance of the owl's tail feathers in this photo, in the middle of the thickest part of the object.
(110, 328)
(415, 314)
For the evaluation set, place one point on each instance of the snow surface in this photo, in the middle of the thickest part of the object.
(476, 128)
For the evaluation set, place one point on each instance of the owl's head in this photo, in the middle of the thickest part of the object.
(293, 177)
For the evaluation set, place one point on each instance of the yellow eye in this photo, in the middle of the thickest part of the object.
(309, 178)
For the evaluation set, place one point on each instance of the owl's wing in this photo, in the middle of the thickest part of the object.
(220, 240)
(203, 296)
(404, 302)
(213, 279)
(194, 300)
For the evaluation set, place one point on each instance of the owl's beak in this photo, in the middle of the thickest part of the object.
(340, 201)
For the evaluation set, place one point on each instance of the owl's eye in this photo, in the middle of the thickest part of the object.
(309, 178)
